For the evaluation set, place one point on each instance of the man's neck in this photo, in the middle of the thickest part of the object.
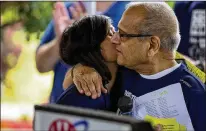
(162, 61)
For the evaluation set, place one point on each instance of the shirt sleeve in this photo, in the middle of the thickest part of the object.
(71, 97)
(195, 97)
(49, 33)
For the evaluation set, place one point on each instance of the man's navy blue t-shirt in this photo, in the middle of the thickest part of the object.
(115, 12)
(135, 86)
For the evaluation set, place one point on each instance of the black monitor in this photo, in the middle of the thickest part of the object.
(53, 117)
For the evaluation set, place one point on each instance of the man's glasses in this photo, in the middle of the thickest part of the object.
(133, 35)
(123, 36)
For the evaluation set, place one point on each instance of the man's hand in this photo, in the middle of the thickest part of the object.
(62, 19)
(86, 79)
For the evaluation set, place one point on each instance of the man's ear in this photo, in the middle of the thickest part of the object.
(154, 45)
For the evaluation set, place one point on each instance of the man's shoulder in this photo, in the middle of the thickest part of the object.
(190, 81)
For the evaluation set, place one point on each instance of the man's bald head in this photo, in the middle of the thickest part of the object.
(131, 17)
(152, 18)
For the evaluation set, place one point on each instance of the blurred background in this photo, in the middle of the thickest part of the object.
(22, 86)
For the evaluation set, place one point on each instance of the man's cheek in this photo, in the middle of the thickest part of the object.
(130, 52)
(127, 55)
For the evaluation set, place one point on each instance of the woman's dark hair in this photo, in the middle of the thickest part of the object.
(81, 41)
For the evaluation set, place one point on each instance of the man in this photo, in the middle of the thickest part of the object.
(47, 56)
(146, 42)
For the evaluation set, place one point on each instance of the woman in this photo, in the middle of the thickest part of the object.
(88, 41)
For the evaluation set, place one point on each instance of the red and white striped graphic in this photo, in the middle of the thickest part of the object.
(61, 125)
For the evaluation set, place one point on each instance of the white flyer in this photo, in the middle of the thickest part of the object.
(167, 102)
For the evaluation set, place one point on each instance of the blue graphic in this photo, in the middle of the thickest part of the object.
(82, 122)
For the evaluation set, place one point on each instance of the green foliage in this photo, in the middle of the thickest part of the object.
(171, 3)
(35, 15)
(9, 15)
